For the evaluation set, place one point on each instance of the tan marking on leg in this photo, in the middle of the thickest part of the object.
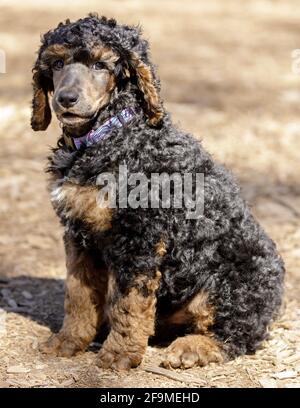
(198, 312)
(84, 304)
(81, 202)
(132, 322)
(191, 350)
(161, 248)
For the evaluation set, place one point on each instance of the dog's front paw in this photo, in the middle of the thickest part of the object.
(59, 345)
(120, 361)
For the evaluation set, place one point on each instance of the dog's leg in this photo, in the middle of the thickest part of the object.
(199, 348)
(84, 302)
(73, 201)
(131, 318)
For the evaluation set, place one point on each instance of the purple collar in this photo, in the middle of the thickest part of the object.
(95, 136)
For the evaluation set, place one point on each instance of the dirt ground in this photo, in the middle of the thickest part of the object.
(226, 71)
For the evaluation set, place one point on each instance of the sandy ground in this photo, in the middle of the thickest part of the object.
(226, 73)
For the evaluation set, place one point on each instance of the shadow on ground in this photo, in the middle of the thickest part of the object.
(40, 299)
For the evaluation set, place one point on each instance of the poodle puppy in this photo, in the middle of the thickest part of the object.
(214, 279)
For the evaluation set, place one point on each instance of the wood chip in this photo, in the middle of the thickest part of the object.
(35, 344)
(5, 293)
(283, 375)
(292, 359)
(41, 366)
(284, 354)
(172, 375)
(38, 376)
(66, 383)
(4, 384)
(17, 370)
(267, 382)
(27, 295)
(12, 303)
(292, 385)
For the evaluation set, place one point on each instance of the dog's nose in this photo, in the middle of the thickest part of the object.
(67, 98)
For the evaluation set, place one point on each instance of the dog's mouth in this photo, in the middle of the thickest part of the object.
(70, 118)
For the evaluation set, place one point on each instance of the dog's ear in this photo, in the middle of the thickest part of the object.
(146, 84)
(41, 112)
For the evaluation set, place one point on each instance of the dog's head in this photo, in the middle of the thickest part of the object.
(83, 63)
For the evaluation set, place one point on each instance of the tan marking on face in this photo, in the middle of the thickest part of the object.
(111, 84)
(104, 54)
(161, 248)
(198, 313)
(80, 202)
(54, 52)
(90, 87)
(132, 322)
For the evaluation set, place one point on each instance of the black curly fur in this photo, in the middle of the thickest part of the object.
(225, 251)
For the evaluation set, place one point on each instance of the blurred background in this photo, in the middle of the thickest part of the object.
(229, 76)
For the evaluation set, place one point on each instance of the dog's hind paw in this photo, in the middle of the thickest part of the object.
(192, 350)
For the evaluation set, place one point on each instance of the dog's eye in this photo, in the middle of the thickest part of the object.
(98, 65)
(58, 64)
